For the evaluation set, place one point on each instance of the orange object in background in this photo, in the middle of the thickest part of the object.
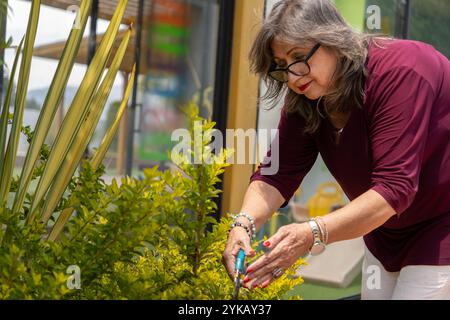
(329, 197)
(171, 12)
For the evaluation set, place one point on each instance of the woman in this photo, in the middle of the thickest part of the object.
(378, 111)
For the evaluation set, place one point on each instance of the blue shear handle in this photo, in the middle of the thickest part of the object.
(240, 260)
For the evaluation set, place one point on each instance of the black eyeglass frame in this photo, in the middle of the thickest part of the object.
(286, 70)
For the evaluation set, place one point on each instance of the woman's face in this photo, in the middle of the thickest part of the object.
(323, 64)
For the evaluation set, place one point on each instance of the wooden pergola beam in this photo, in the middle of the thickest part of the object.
(54, 51)
(106, 8)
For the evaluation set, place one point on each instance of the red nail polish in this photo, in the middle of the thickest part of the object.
(265, 286)
(247, 279)
(249, 270)
(254, 285)
(267, 244)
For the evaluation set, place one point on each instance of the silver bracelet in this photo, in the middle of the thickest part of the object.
(322, 228)
(249, 218)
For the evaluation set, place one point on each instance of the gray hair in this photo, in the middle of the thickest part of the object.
(307, 22)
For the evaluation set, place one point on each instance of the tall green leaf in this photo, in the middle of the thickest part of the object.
(52, 101)
(81, 141)
(98, 157)
(5, 111)
(109, 136)
(78, 109)
(21, 95)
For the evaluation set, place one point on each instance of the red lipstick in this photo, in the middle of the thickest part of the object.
(305, 86)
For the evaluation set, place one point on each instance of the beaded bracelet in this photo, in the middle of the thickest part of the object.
(238, 224)
(249, 218)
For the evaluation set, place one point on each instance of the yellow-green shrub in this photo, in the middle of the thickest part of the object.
(141, 239)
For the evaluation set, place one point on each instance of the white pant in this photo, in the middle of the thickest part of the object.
(418, 282)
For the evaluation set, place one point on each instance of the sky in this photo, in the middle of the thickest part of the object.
(54, 25)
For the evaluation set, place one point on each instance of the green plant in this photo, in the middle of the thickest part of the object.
(110, 116)
(147, 239)
(183, 261)
(23, 253)
(143, 239)
(78, 125)
(4, 43)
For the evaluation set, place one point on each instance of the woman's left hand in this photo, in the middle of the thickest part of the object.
(286, 246)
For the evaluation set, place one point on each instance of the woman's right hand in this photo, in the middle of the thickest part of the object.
(237, 239)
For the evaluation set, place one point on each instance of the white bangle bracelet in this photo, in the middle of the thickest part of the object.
(322, 228)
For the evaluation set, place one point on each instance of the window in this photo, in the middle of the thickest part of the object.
(179, 60)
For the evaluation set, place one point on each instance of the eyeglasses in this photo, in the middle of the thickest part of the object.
(298, 68)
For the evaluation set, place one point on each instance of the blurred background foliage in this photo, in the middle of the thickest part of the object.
(429, 21)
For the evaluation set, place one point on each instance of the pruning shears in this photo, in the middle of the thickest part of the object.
(239, 270)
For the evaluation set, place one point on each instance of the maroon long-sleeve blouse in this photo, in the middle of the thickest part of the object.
(398, 144)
